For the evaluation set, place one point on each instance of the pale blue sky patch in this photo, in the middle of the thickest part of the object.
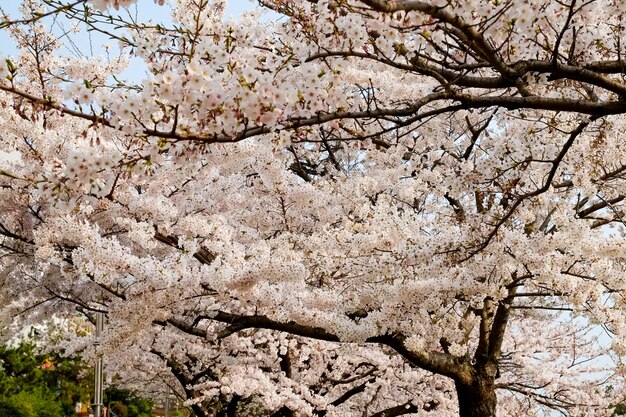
(90, 43)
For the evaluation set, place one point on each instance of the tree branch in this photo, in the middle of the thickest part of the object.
(433, 361)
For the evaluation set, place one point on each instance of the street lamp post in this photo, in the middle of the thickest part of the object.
(98, 371)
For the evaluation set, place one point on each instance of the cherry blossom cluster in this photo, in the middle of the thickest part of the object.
(388, 208)
(104, 4)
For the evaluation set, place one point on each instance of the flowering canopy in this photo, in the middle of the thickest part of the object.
(362, 207)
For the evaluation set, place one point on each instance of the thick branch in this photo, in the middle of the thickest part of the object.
(498, 328)
(202, 255)
(433, 361)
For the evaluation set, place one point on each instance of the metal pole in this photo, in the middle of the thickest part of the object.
(167, 401)
(99, 377)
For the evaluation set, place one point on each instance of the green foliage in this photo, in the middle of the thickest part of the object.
(37, 402)
(118, 408)
(127, 402)
(35, 385)
(15, 406)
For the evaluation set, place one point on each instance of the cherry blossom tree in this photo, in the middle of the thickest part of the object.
(354, 208)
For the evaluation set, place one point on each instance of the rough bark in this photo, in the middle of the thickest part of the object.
(198, 411)
(477, 399)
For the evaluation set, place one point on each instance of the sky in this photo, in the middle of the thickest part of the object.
(87, 42)
(146, 10)
(91, 43)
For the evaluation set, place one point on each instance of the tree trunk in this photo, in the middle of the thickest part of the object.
(198, 411)
(477, 399)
